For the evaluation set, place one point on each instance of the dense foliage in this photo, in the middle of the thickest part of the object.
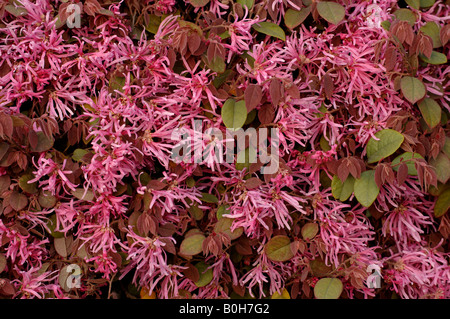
(94, 204)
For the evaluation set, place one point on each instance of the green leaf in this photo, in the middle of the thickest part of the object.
(412, 88)
(222, 210)
(284, 295)
(223, 225)
(192, 245)
(328, 288)
(196, 212)
(436, 58)
(331, 11)
(309, 231)
(217, 64)
(78, 154)
(117, 83)
(426, 3)
(246, 3)
(415, 4)
(199, 3)
(342, 191)
(221, 78)
(406, 15)
(408, 159)
(25, 186)
(432, 29)
(206, 275)
(293, 18)
(386, 25)
(234, 114)
(442, 204)
(442, 165)
(431, 112)
(46, 199)
(153, 23)
(279, 248)
(388, 142)
(51, 225)
(271, 29)
(82, 194)
(16, 10)
(365, 188)
(446, 148)
(209, 198)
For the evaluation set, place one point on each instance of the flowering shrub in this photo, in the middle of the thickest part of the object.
(95, 204)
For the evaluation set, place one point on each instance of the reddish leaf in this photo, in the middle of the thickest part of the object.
(156, 185)
(7, 125)
(276, 91)
(266, 113)
(169, 246)
(390, 58)
(402, 173)
(252, 96)
(18, 201)
(6, 288)
(194, 42)
(328, 85)
(191, 272)
(253, 183)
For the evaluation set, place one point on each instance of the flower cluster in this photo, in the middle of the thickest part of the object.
(94, 95)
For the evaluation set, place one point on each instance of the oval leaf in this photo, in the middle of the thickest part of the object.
(431, 112)
(271, 29)
(205, 273)
(435, 58)
(309, 231)
(234, 114)
(342, 191)
(199, 3)
(82, 194)
(60, 246)
(388, 142)
(442, 204)
(224, 224)
(293, 18)
(328, 288)
(209, 198)
(442, 165)
(252, 96)
(30, 188)
(18, 201)
(331, 11)
(192, 245)
(366, 189)
(412, 88)
(279, 248)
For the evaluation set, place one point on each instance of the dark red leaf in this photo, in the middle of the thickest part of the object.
(328, 85)
(276, 91)
(253, 183)
(191, 272)
(402, 173)
(252, 96)
(156, 185)
(390, 58)
(266, 113)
